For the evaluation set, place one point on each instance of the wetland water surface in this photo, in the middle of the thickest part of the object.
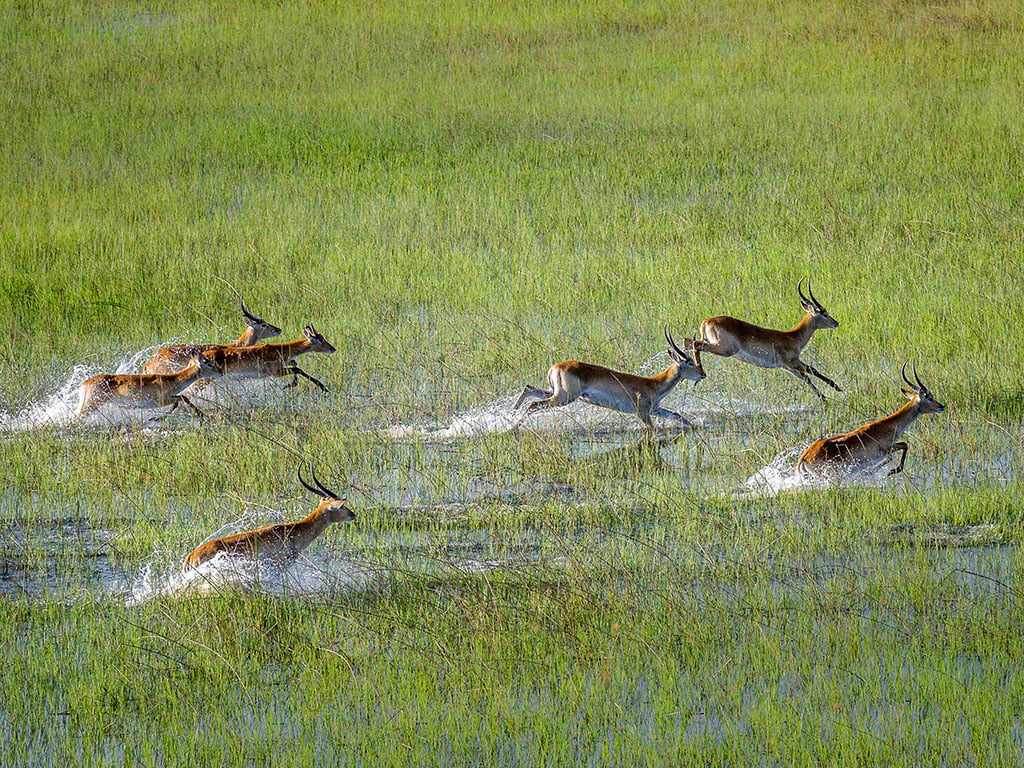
(574, 457)
(68, 560)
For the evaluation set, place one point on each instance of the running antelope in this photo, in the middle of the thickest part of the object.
(146, 390)
(175, 358)
(278, 359)
(768, 348)
(622, 392)
(282, 542)
(873, 442)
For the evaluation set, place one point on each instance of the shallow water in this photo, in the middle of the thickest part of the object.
(572, 457)
(708, 409)
(86, 569)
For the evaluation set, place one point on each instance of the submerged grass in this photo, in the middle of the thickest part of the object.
(458, 196)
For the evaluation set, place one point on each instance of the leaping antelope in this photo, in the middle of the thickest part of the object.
(875, 440)
(768, 348)
(622, 392)
(277, 359)
(281, 542)
(146, 390)
(175, 358)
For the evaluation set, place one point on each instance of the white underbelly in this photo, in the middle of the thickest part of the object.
(760, 360)
(603, 399)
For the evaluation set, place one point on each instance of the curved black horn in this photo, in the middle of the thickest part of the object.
(246, 312)
(903, 373)
(811, 294)
(918, 378)
(800, 290)
(307, 486)
(323, 489)
(671, 343)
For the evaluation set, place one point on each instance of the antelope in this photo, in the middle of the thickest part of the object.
(622, 392)
(768, 348)
(175, 358)
(146, 390)
(281, 542)
(875, 440)
(276, 359)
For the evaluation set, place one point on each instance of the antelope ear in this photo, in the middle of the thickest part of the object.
(911, 394)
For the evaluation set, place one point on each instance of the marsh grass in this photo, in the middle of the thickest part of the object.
(457, 196)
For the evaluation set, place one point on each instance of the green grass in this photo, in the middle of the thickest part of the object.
(459, 195)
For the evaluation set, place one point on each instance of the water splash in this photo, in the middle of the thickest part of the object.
(496, 416)
(321, 573)
(500, 416)
(56, 410)
(781, 474)
(60, 408)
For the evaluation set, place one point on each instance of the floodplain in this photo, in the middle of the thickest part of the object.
(458, 196)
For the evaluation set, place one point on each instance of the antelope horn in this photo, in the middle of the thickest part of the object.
(918, 378)
(246, 312)
(307, 486)
(323, 489)
(671, 343)
(811, 294)
(800, 290)
(903, 372)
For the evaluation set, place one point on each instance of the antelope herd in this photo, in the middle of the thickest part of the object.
(174, 370)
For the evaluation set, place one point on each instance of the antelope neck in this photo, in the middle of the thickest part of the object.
(315, 521)
(248, 338)
(904, 417)
(804, 329)
(668, 378)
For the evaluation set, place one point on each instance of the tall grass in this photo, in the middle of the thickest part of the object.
(459, 195)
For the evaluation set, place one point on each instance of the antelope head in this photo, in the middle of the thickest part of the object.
(820, 318)
(331, 504)
(925, 399)
(689, 367)
(262, 328)
(317, 342)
